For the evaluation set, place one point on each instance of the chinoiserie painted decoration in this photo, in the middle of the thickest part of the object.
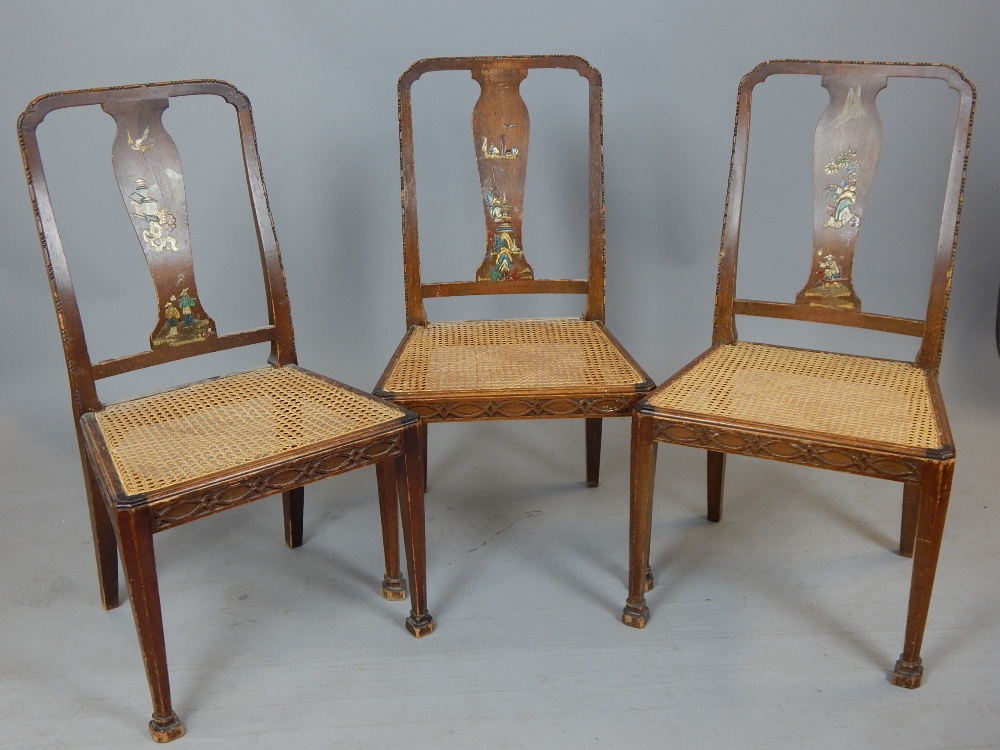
(148, 169)
(500, 133)
(847, 145)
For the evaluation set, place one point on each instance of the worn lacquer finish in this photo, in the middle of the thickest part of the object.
(148, 169)
(847, 146)
(500, 132)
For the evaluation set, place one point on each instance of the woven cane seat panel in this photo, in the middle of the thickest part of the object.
(505, 355)
(200, 429)
(853, 397)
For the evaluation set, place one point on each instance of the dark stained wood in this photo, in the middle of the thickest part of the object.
(908, 522)
(293, 507)
(642, 475)
(135, 535)
(472, 288)
(833, 315)
(393, 585)
(110, 367)
(411, 478)
(593, 437)
(716, 470)
(935, 490)
(105, 542)
(848, 140)
(150, 178)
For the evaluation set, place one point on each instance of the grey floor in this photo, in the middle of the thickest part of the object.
(776, 628)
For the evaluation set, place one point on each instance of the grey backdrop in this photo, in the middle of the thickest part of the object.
(322, 79)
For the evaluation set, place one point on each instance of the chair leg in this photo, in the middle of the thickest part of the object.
(293, 504)
(409, 474)
(135, 533)
(393, 584)
(105, 543)
(593, 450)
(935, 489)
(908, 526)
(423, 451)
(716, 484)
(642, 474)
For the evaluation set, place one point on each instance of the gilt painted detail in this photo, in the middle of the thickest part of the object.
(141, 144)
(843, 195)
(503, 151)
(833, 289)
(505, 248)
(184, 321)
(159, 222)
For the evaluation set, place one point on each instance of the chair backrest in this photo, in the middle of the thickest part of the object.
(148, 171)
(500, 138)
(847, 144)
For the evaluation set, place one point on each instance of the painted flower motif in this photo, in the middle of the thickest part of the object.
(168, 221)
(842, 196)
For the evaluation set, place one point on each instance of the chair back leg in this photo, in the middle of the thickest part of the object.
(105, 544)
(593, 450)
(293, 507)
(716, 484)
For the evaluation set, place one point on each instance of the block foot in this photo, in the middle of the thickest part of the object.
(908, 674)
(649, 583)
(166, 728)
(635, 616)
(420, 626)
(394, 589)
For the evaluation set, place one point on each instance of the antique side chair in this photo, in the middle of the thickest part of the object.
(515, 368)
(160, 461)
(864, 415)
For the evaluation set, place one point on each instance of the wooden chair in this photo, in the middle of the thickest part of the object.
(160, 461)
(862, 415)
(508, 369)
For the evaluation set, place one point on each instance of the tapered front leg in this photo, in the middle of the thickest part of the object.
(593, 438)
(393, 584)
(135, 534)
(642, 473)
(411, 496)
(935, 489)
(716, 484)
(293, 505)
(908, 524)
(105, 541)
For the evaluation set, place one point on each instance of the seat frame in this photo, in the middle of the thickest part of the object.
(499, 78)
(926, 474)
(129, 522)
